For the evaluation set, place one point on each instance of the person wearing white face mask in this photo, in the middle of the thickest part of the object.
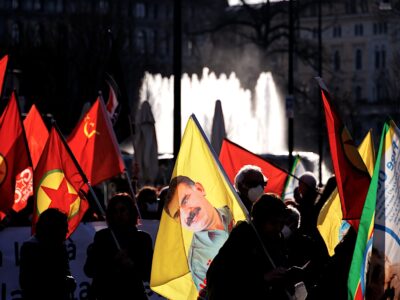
(250, 183)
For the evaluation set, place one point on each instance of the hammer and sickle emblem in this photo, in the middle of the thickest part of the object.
(3, 169)
(89, 128)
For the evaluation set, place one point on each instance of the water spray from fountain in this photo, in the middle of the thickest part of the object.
(253, 119)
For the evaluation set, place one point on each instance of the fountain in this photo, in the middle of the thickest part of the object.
(254, 120)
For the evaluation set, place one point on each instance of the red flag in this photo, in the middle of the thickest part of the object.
(233, 157)
(3, 68)
(58, 183)
(36, 134)
(15, 172)
(95, 146)
(112, 102)
(351, 173)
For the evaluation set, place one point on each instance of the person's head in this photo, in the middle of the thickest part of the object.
(307, 185)
(268, 215)
(147, 199)
(52, 226)
(186, 202)
(121, 211)
(250, 182)
(292, 222)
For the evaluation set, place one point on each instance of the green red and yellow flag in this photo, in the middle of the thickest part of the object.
(351, 173)
(58, 183)
(383, 187)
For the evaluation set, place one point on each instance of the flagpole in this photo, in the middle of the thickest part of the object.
(128, 178)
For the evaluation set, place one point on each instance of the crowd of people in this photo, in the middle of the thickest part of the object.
(278, 254)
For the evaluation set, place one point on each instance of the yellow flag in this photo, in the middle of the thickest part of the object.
(330, 216)
(182, 254)
(367, 152)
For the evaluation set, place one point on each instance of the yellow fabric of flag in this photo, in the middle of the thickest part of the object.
(330, 216)
(171, 276)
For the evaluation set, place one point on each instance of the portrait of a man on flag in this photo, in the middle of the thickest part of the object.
(200, 210)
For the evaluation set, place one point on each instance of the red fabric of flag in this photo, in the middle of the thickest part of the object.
(112, 102)
(3, 68)
(233, 157)
(36, 134)
(95, 146)
(58, 183)
(351, 173)
(14, 160)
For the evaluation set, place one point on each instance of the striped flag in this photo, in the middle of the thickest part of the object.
(377, 247)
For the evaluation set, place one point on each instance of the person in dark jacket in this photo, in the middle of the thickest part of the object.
(119, 259)
(252, 264)
(44, 269)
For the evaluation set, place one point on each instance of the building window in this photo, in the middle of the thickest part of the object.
(152, 41)
(155, 11)
(383, 56)
(384, 27)
(385, 5)
(351, 6)
(15, 4)
(380, 91)
(59, 6)
(164, 44)
(37, 35)
(15, 33)
(189, 48)
(337, 31)
(358, 59)
(315, 33)
(104, 6)
(27, 5)
(377, 58)
(140, 10)
(380, 28)
(358, 30)
(37, 5)
(336, 60)
(358, 92)
(140, 42)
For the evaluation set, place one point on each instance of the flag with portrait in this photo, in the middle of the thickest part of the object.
(184, 247)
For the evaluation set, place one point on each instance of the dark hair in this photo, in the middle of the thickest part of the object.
(126, 200)
(172, 188)
(52, 223)
(146, 193)
(266, 208)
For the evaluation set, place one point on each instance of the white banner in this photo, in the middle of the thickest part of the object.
(11, 240)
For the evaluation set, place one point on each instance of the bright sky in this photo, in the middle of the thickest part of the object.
(238, 2)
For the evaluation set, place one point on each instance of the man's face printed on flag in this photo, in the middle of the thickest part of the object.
(190, 206)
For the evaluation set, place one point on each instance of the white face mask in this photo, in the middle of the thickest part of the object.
(286, 232)
(254, 193)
